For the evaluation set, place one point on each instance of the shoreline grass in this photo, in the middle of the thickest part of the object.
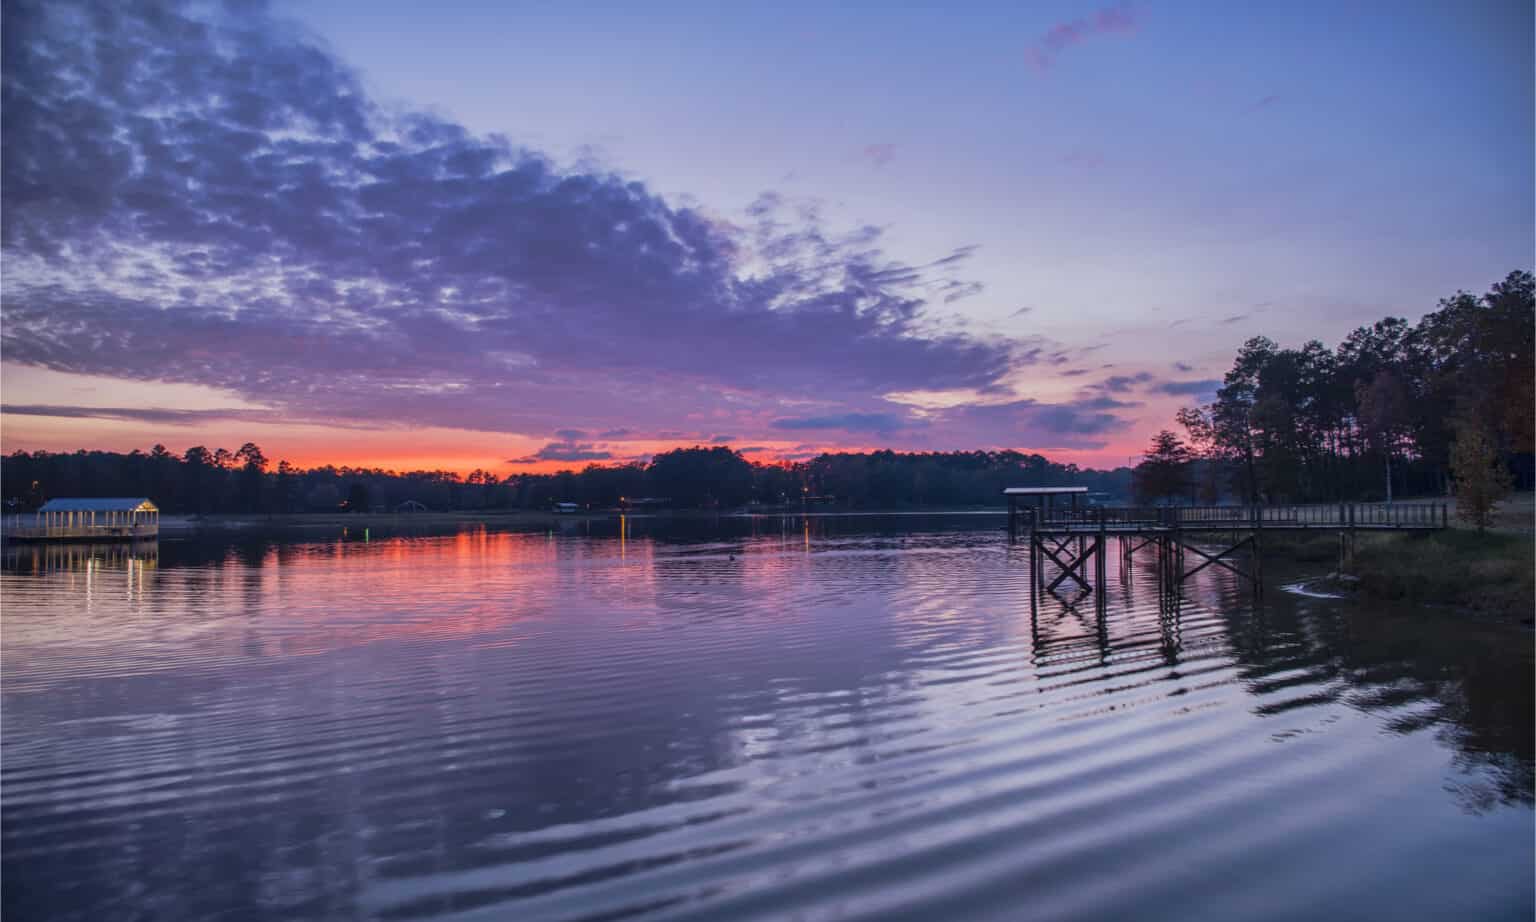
(1487, 573)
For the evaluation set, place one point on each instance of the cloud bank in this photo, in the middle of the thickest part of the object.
(214, 199)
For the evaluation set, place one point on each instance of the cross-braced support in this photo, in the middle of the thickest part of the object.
(1222, 558)
(1072, 560)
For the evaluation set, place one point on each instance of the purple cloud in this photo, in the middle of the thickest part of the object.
(1027, 422)
(216, 200)
(848, 422)
(1187, 388)
(879, 154)
(1121, 383)
(565, 451)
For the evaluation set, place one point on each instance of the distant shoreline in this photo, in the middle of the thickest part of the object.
(177, 525)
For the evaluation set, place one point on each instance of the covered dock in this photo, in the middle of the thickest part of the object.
(1039, 503)
(89, 519)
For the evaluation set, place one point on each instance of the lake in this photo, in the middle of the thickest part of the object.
(826, 717)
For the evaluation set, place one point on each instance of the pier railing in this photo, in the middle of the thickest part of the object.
(1420, 516)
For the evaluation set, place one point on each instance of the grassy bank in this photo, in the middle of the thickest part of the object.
(1487, 573)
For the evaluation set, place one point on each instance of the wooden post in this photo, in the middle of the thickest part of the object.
(1258, 564)
(1099, 569)
(1034, 558)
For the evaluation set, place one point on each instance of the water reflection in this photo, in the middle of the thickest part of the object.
(748, 717)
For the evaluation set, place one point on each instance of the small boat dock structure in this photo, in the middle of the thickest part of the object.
(1068, 539)
(88, 519)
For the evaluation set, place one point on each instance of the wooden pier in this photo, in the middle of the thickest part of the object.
(1070, 544)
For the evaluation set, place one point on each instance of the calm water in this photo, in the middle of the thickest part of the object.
(833, 718)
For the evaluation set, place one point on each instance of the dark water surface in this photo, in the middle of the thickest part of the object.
(764, 718)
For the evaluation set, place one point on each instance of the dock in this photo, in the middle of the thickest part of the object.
(1068, 544)
(87, 520)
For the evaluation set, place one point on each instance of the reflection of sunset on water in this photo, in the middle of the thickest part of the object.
(488, 715)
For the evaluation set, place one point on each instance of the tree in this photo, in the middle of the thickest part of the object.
(1232, 415)
(194, 479)
(357, 497)
(1481, 480)
(323, 497)
(286, 477)
(1384, 415)
(253, 468)
(701, 476)
(1164, 469)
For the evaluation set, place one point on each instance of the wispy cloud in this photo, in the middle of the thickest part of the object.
(848, 422)
(159, 416)
(1063, 35)
(1084, 158)
(879, 154)
(1257, 105)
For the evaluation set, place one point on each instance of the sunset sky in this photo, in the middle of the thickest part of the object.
(526, 236)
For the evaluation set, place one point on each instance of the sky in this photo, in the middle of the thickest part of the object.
(528, 236)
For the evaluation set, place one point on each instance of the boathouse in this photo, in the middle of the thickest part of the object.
(109, 518)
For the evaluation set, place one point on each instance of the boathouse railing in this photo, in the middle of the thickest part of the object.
(25, 527)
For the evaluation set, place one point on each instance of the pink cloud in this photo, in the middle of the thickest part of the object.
(1063, 35)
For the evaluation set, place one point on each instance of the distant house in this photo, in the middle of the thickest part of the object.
(89, 518)
(567, 508)
(411, 505)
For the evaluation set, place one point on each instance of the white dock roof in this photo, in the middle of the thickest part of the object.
(1042, 491)
(99, 504)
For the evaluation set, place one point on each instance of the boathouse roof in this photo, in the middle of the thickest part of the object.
(100, 504)
(1042, 491)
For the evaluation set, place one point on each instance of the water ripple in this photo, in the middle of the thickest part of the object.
(797, 718)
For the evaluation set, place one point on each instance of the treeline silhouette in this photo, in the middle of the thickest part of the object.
(201, 481)
(1377, 417)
